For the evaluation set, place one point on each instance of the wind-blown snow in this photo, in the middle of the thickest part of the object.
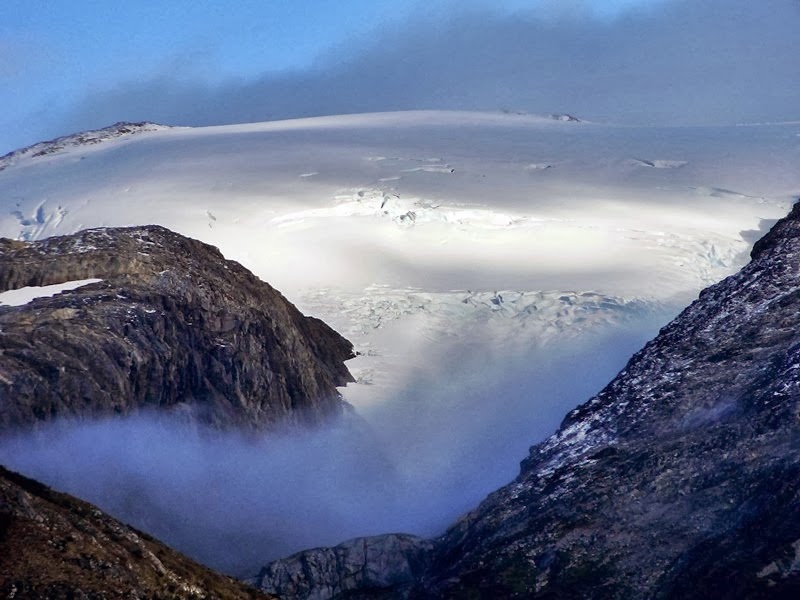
(462, 253)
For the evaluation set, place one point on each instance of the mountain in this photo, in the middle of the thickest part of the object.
(404, 230)
(385, 565)
(425, 235)
(491, 270)
(158, 321)
(54, 546)
(679, 479)
(82, 139)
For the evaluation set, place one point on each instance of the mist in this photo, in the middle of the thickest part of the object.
(412, 464)
(676, 62)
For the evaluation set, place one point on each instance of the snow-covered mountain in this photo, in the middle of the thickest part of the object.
(493, 270)
(85, 138)
(538, 226)
(378, 209)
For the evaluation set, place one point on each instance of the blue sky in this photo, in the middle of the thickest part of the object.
(67, 65)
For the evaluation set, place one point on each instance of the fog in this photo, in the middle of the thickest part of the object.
(412, 464)
(676, 62)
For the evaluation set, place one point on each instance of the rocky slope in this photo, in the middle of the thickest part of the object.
(85, 138)
(172, 325)
(54, 546)
(359, 567)
(681, 479)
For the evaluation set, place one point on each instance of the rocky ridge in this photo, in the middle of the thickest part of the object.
(360, 566)
(54, 546)
(680, 479)
(172, 325)
(84, 138)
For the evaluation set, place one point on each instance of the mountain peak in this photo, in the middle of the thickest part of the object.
(84, 138)
(167, 323)
(784, 232)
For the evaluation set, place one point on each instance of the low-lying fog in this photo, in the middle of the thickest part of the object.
(456, 432)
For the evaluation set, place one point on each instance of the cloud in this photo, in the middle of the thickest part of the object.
(718, 61)
(456, 432)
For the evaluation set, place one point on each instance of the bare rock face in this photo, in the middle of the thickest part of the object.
(54, 546)
(679, 480)
(360, 568)
(172, 325)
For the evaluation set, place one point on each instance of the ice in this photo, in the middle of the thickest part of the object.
(371, 206)
(492, 270)
(432, 202)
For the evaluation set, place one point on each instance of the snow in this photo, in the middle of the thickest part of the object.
(390, 213)
(28, 294)
(492, 270)
(367, 206)
(82, 140)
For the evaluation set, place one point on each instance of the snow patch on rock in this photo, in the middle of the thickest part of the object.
(28, 294)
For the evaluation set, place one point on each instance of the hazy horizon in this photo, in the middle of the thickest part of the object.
(640, 62)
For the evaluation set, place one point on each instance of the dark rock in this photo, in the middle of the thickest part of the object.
(360, 568)
(54, 546)
(173, 325)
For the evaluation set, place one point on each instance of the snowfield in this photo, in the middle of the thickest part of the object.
(430, 215)
(492, 270)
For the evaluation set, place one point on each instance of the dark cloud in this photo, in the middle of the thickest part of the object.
(717, 61)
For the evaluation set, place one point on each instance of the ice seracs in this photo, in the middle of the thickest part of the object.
(391, 212)
(478, 249)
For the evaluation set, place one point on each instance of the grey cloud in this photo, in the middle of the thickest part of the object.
(717, 61)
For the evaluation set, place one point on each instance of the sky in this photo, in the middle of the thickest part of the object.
(71, 65)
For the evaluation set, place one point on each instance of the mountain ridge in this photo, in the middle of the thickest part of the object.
(171, 325)
(679, 479)
(82, 138)
(714, 385)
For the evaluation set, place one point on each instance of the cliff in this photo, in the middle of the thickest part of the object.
(172, 325)
(359, 568)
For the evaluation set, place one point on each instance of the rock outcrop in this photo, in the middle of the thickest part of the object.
(172, 325)
(85, 138)
(54, 546)
(680, 479)
(360, 568)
